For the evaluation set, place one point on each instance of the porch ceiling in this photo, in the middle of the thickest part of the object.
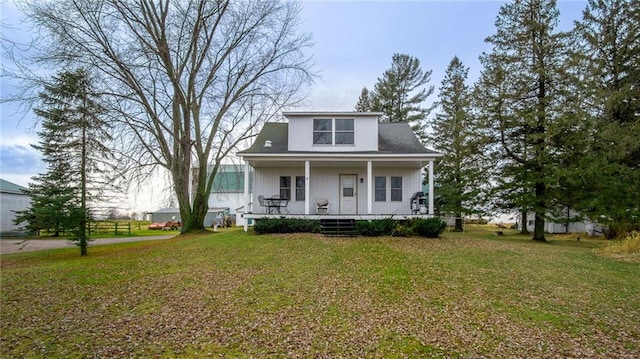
(280, 163)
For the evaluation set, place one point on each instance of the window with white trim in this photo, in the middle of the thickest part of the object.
(300, 186)
(285, 187)
(380, 188)
(330, 131)
(322, 131)
(344, 131)
(396, 188)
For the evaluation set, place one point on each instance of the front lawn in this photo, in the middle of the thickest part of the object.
(233, 294)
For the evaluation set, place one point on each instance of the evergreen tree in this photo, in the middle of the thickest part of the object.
(364, 101)
(73, 143)
(490, 95)
(532, 58)
(456, 133)
(53, 203)
(609, 59)
(400, 93)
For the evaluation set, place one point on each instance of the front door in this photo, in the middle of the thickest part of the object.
(348, 194)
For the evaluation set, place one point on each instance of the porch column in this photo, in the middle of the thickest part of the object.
(307, 190)
(246, 195)
(369, 187)
(431, 194)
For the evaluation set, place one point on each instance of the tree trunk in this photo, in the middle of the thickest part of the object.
(540, 208)
(523, 226)
(458, 227)
(82, 230)
(193, 207)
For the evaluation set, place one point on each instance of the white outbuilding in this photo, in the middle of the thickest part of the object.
(12, 199)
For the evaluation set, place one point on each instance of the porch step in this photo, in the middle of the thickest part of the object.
(338, 227)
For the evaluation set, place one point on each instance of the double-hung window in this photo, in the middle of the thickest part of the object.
(300, 186)
(329, 131)
(322, 131)
(344, 132)
(396, 188)
(285, 187)
(380, 188)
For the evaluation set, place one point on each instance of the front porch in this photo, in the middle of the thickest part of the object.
(354, 188)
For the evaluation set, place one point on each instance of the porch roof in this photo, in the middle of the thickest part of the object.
(393, 139)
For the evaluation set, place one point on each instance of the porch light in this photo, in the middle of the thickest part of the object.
(361, 180)
(267, 143)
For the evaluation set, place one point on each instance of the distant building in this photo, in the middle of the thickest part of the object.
(583, 226)
(173, 214)
(12, 199)
(227, 191)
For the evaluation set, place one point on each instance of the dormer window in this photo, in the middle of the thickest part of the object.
(333, 131)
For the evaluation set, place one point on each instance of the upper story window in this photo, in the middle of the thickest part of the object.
(344, 131)
(327, 131)
(322, 131)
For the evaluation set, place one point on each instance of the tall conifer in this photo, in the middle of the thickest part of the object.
(73, 142)
(401, 92)
(456, 133)
(531, 55)
(608, 61)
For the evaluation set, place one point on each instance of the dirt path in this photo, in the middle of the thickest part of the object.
(30, 245)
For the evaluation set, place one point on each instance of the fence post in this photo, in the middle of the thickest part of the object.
(116, 229)
(129, 225)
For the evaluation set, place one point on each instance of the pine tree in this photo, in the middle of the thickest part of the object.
(73, 144)
(532, 56)
(490, 98)
(364, 101)
(456, 133)
(609, 59)
(400, 93)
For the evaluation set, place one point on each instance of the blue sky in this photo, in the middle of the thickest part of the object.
(354, 42)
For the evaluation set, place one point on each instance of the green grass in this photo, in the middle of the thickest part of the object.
(233, 294)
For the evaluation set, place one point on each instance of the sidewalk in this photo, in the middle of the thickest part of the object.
(31, 245)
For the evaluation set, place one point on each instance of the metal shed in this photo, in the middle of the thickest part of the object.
(12, 198)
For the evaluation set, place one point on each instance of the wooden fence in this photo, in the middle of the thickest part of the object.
(109, 227)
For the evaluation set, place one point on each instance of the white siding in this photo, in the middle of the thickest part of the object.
(11, 202)
(365, 134)
(411, 183)
(231, 200)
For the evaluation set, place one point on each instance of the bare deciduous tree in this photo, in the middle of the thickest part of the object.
(187, 80)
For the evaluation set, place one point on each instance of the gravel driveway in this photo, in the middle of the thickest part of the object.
(30, 245)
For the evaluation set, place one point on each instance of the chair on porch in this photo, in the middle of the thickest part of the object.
(322, 206)
(418, 203)
(263, 203)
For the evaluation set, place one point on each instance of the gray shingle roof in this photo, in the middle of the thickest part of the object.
(392, 138)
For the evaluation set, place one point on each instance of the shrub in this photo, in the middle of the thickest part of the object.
(286, 225)
(430, 227)
(375, 228)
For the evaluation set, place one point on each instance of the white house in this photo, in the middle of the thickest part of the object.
(364, 169)
(12, 199)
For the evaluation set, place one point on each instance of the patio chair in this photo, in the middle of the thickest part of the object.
(322, 206)
(263, 203)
